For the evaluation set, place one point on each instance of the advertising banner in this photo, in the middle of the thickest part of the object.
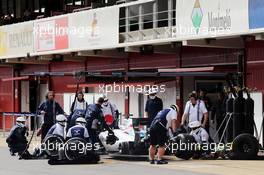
(93, 29)
(207, 18)
(51, 34)
(16, 40)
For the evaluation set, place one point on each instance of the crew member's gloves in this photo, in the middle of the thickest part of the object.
(111, 138)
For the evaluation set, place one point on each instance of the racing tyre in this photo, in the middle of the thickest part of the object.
(245, 147)
(75, 148)
(52, 144)
(188, 150)
(125, 148)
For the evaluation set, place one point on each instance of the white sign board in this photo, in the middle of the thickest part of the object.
(210, 18)
(16, 40)
(86, 30)
(93, 29)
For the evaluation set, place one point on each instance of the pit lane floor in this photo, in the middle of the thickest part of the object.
(12, 166)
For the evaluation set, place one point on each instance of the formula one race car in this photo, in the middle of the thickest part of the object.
(244, 146)
(132, 141)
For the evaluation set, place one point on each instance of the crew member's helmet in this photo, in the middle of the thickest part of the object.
(194, 124)
(61, 119)
(21, 121)
(80, 121)
(105, 98)
(152, 91)
(174, 107)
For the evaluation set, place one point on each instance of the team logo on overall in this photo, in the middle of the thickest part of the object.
(197, 16)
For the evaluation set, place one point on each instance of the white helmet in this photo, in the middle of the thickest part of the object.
(174, 107)
(20, 119)
(105, 97)
(194, 124)
(80, 120)
(61, 119)
(152, 91)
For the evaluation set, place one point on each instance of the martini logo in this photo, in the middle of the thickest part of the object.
(197, 16)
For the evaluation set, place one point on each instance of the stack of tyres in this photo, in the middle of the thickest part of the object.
(230, 110)
(249, 116)
(239, 114)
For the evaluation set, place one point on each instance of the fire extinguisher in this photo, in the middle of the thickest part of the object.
(249, 114)
(239, 114)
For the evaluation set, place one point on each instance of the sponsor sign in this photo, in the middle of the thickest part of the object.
(96, 28)
(16, 40)
(207, 18)
(51, 35)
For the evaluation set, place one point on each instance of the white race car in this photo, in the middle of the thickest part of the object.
(131, 139)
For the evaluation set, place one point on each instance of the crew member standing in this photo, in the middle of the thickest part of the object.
(207, 101)
(94, 117)
(165, 120)
(78, 109)
(110, 113)
(195, 110)
(153, 105)
(50, 108)
(79, 103)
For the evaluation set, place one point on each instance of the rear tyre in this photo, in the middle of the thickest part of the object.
(52, 144)
(245, 147)
(125, 148)
(189, 148)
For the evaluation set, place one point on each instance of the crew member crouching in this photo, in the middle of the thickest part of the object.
(58, 128)
(53, 142)
(201, 137)
(200, 134)
(17, 140)
(78, 148)
(78, 134)
(79, 130)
